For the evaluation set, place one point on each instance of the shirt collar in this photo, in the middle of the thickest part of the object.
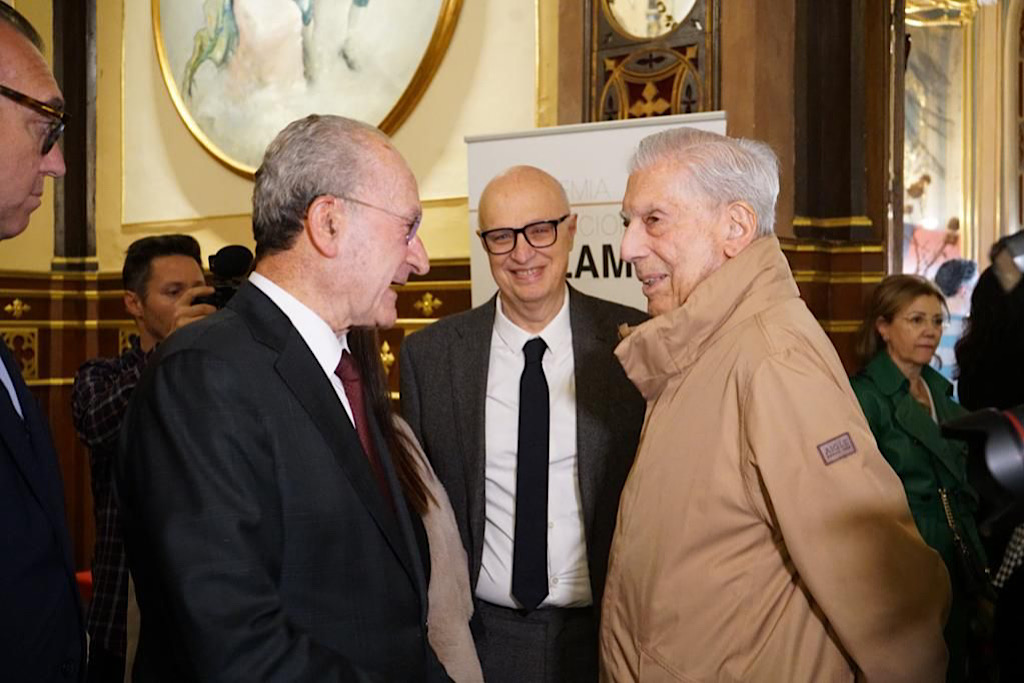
(326, 346)
(557, 334)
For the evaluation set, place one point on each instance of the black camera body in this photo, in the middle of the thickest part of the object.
(1014, 244)
(229, 267)
(995, 440)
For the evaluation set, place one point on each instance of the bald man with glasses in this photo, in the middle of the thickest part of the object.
(41, 633)
(531, 425)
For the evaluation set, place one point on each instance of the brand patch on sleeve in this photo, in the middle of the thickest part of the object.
(837, 448)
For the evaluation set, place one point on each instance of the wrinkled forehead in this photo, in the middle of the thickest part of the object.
(388, 175)
(24, 69)
(665, 182)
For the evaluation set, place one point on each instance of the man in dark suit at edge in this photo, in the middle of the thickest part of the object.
(531, 425)
(266, 530)
(41, 634)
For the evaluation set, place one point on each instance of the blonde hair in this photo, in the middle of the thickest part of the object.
(891, 296)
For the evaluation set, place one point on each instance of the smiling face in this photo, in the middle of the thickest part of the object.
(912, 336)
(674, 237)
(531, 280)
(22, 130)
(376, 241)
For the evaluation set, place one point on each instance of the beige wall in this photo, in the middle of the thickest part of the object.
(484, 85)
(33, 249)
(153, 176)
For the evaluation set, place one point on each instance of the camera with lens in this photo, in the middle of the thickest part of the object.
(1012, 244)
(229, 267)
(995, 440)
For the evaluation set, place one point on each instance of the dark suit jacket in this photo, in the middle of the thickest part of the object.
(261, 546)
(444, 387)
(41, 634)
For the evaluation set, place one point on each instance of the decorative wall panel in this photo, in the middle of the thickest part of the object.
(636, 77)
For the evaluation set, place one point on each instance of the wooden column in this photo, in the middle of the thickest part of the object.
(74, 51)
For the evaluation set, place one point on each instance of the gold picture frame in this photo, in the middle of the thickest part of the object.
(440, 39)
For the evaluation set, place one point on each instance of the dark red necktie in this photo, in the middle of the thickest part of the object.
(348, 373)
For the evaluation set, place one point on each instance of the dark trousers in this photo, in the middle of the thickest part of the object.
(546, 645)
(104, 666)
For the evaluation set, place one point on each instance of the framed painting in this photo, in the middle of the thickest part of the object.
(238, 71)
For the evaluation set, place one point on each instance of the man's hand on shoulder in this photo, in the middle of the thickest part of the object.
(187, 311)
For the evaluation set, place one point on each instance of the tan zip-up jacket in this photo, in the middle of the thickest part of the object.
(761, 535)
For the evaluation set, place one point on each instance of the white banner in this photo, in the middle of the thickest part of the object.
(589, 159)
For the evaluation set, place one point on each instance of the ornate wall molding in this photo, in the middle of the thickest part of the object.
(675, 73)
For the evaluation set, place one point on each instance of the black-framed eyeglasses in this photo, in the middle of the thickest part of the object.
(411, 224)
(59, 116)
(538, 235)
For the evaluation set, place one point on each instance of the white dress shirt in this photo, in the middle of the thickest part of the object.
(319, 337)
(568, 574)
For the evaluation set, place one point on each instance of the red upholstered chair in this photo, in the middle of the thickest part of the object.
(84, 585)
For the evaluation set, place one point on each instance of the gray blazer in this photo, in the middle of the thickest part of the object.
(444, 386)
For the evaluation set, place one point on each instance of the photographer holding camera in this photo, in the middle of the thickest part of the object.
(162, 279)
(991, 375)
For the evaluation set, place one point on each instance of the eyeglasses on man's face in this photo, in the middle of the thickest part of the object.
(411, 224)
(538, 235)
(59, 117)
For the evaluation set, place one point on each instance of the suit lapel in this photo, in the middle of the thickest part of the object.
(468, 361)
(592, 344)
(306, 379)
(299, 370)
(29, 449)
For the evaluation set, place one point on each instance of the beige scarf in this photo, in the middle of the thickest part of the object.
(450, 603)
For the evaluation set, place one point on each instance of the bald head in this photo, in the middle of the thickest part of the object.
(518, 185)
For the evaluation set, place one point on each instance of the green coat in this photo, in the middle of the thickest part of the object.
(915, 448)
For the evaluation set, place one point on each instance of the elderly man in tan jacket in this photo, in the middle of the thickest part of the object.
(761, 535)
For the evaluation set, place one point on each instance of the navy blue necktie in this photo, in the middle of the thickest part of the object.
(530, 547)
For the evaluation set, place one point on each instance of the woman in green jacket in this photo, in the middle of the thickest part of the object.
(905, 401)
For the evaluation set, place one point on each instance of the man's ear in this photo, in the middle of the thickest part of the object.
(133, 304)
(742, 228)
(323, 224)
(570, 229)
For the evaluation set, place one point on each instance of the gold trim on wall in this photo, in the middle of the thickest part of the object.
(68, 324)
(840, 326)
(51, 382)
(547, 63)
(12, 330)
(58, 294)
(838, 278)
(58, 276)
(75, 259)
(834, 249)
(444, 28)
(426, 285)
(832, 222)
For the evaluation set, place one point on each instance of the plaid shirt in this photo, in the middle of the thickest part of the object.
(99, 400)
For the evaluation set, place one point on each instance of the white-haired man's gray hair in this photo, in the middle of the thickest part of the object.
(724, 169)
(313, 156)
